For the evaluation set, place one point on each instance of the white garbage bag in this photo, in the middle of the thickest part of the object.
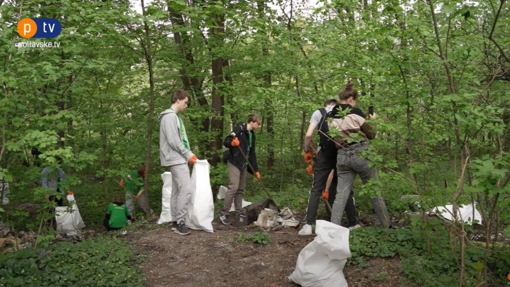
(465, 212)
(222, 191)
(68, 218)
(201, 206)
(4, 190)
(321, 262)
(166, 195)
(267, 218)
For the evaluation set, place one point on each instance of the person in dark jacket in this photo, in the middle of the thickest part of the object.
(241, 160)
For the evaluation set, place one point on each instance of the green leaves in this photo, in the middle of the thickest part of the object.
(105, 262)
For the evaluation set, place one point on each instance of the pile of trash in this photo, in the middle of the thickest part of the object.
(265, 213)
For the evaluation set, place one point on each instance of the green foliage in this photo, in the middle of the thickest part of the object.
(103, 262)
(260, 237)
(424, 263)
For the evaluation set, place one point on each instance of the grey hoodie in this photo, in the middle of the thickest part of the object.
(171, 148)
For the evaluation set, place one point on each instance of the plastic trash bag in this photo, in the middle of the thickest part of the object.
(68, 218)
(465, 212)
(166, 195)
(201, 206)
(321, 262)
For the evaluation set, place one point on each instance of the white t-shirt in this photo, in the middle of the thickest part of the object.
(317, 116)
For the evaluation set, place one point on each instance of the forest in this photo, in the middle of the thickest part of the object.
(437, 73)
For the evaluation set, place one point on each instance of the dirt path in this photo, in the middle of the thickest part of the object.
(217, 259)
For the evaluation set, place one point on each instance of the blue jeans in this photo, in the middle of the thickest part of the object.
(349, 164)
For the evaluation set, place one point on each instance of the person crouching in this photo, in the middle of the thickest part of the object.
(117, 214)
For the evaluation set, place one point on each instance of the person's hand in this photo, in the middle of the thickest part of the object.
(309, 170)
(69, 192)
(46, 197)
(257, 175)
(121, 183)
(325, 194)
(308, 157)
(193, 159)
(235, 142)
(371, 116)
(137, 196)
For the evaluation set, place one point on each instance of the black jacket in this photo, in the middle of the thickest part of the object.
(235, 157)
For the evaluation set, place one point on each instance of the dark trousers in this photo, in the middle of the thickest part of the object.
(107, 224)
(321, 170)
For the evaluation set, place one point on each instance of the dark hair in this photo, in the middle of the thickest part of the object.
(348, 92)
(141, 171)
(118, 198)
(180, 94)
(254, 118)
(330, 101)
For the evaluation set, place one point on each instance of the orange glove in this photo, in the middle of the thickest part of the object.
(325, 194)
(193, 159)
(308, 157)
(235, 142)
(309, 170)
(69, 192)
(257, 175)
(121, 183)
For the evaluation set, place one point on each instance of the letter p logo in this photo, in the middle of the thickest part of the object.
(27, 28)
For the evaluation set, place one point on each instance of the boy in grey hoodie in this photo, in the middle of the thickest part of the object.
(174, 154)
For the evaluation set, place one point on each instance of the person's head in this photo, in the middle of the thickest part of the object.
(330, 102)
(348, 95)
(141, 171)
(254, 122)
(180, 100)
(118, 198)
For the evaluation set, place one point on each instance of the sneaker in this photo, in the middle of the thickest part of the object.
(224, 219)
(354, 227)
(174, 225)
(306, 230)
(182, 229)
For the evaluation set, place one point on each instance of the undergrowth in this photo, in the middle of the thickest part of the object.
(98, 262)
(427, 265)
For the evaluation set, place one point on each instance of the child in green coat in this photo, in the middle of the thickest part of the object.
(117, 214)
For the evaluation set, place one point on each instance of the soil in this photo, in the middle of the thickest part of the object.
(217, 259)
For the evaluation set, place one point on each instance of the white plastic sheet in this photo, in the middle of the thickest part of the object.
(166, 195)
(222, 191)
(201, 206)
(465, 212)
(69, 219)
(321, 262)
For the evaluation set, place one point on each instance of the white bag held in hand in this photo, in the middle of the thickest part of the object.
(201, 206)
(166, 195)
(321, 262)
(69, 219)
